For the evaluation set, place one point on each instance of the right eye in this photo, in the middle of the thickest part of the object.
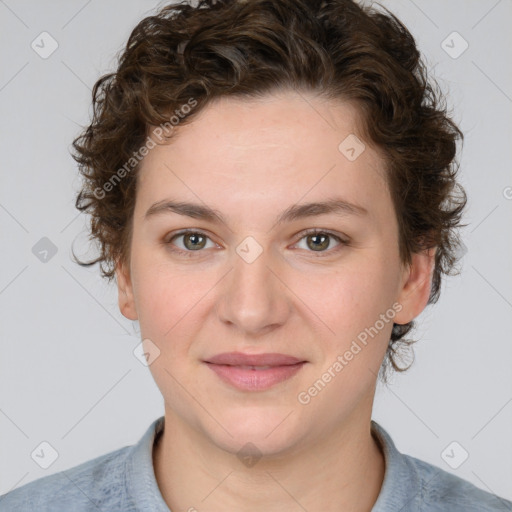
(193, 241)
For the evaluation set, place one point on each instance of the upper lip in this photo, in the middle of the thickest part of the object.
(241, 359)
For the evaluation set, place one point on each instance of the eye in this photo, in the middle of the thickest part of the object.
(318, 241)
(193, 241)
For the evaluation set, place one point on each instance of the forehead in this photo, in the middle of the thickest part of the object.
(276, 149)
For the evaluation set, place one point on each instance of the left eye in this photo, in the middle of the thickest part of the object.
(319, 241)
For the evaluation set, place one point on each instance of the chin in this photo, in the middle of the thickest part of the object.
(271, 431)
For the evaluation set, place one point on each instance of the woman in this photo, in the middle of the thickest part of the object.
(273, 188)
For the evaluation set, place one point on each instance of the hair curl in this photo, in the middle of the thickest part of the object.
(336, 48)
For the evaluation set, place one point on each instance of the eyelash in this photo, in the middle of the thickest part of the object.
(304, 234)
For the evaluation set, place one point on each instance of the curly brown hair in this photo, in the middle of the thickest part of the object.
(188, 55)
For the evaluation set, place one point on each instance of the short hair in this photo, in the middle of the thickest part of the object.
(337, 49)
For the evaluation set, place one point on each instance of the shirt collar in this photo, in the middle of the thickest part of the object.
(141, 481)
(401, 488)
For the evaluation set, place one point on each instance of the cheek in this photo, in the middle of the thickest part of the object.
(352, 299)
(357, 305)
(163, 297)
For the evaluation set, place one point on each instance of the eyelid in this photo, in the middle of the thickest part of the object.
(315, 231)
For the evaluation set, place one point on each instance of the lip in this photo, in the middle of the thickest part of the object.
(237, 369)
(241, 359)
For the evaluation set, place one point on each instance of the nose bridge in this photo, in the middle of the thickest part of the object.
(253, 299)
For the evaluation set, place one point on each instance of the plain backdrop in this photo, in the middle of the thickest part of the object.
(68, 375)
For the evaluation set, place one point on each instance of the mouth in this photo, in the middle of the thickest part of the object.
(256, 372)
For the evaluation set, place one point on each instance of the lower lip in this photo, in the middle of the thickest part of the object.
(254, 380)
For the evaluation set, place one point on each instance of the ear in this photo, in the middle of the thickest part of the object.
(416, 286)
(125, 292)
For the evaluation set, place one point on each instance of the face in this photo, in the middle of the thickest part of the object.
(257, 281)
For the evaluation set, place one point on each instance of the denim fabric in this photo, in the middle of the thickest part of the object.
(124, 480)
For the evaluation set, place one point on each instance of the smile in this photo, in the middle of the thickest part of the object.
(266, 370)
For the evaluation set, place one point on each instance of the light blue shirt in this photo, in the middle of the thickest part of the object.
(124, 480)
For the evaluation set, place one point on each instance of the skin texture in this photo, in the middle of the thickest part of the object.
(250, 160)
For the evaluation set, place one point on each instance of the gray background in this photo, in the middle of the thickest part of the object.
(67, 372)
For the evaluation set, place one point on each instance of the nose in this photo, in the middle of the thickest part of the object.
(254, 298)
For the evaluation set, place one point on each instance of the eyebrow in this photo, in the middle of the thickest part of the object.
(336, 206)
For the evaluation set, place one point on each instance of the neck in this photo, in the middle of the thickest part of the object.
(342, 471)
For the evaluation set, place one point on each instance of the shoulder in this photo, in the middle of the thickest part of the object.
(98, 484)
(414, 485)
(441, 491)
